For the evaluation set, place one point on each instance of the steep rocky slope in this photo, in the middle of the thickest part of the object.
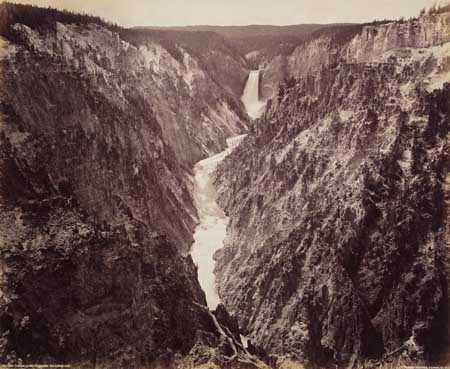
(332, 45)
(321, 48)
(197, 94)
(67, 77)
(216, 54)
(336, 250)
(96, 214)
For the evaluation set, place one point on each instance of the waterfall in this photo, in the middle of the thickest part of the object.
(250, 97)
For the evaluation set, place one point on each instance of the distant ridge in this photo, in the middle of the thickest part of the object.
(253, 30)
(266, 40)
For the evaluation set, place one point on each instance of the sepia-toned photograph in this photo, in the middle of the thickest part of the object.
(225, 184)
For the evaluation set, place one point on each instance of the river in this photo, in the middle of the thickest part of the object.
(211, 231)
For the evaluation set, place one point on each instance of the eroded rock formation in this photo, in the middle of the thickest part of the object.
(337, 242)
(96, 215)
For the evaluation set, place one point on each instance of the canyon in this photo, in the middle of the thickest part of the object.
(166, 192)
(210, 233)
(341, 183)
(98, 136)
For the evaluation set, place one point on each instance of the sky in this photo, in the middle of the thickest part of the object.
(239, 12)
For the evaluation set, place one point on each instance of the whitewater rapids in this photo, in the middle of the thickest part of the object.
(211, 231)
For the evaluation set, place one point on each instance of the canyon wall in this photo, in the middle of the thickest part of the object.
(337, 247)
(355, 44)
(97, 138)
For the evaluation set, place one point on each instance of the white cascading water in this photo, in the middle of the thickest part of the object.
(250, 98)
(211, 231)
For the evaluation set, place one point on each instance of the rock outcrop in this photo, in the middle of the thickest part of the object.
(196, 112)
(96, 215)
(355, 44)
(337, 246)
(338, 243)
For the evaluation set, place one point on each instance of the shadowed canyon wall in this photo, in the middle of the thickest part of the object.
(98, 135)
(337, 247)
